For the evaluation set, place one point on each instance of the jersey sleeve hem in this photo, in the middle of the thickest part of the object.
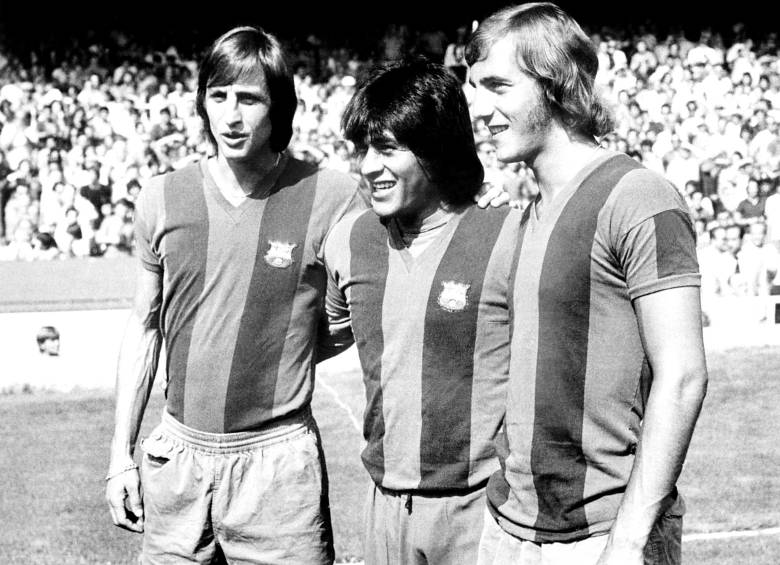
(674, 281)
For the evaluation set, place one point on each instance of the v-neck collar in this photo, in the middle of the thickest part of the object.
(551, 209)
(252, 200)
(396, 241)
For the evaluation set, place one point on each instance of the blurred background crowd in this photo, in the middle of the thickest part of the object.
(84, 124)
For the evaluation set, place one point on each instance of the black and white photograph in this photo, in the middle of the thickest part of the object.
(402, 283)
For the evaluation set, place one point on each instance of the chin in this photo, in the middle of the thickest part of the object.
(509, 156)
(382, 211)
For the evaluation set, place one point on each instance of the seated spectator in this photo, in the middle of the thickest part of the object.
(751, 209)
(718, 264)
(166, 130)
(758, 262)
(53, 205)
(19, 247)
(69, 235)
(95, 193)
(45, 248)
(114, 236)
(21, 207)
(701, 206)
(772, 214)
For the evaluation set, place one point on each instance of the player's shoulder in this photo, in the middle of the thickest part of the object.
(172, 180)
(343, 229)
(645, 185)
(340, 187)
(639, 191)
(335, 179)
(337, 241)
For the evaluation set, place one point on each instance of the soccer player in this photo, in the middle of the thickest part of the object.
(422, 282)
(607, 372)
(232, 278)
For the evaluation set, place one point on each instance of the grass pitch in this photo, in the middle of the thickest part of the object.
(53, 456)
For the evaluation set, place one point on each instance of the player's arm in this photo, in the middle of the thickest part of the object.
(670, 326)
(335, 333)
(138, 358)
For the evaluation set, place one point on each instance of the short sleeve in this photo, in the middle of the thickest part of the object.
(147, 212)
(653, 236)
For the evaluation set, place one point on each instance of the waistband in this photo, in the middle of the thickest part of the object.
(431, 493)
(279, 430)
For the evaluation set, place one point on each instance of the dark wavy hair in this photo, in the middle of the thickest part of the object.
(552, 48)
(424, 107)
(238, 54)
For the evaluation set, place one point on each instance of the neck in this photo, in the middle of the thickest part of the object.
(428, 219)
(245, 176)
(561, 158)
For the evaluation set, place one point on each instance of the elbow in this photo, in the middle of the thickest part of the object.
(693, 386)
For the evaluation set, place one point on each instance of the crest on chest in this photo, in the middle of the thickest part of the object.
(454, 296)
(279, 254)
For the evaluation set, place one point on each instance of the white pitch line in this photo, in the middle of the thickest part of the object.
(332, 391)
(732, 534)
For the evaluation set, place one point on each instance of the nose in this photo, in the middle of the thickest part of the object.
(232, 113)
(371, 166)
(481, 105)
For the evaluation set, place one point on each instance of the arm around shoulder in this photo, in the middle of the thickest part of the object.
(335, 333)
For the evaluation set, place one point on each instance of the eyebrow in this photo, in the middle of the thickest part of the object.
(240, 89)
(491, 80)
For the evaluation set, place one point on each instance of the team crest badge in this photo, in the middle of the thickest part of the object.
(454, 296)
(279, 254)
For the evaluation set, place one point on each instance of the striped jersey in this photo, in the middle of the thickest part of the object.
(432, 334)
(243, 289)
(579, 376)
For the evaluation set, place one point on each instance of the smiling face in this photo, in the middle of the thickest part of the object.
(239, 118)
(400, 187)
(511, 103)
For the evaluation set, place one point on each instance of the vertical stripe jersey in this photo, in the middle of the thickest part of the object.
(243, 290)
(432, 333)
(579, 377)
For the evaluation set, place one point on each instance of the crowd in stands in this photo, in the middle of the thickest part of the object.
(82, 129)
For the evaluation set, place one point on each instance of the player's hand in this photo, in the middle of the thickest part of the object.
(490, 195)
(123, 494)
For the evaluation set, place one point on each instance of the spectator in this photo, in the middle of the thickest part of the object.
(44, 248)
(130, 110)
(772, 213)
(96, 193)
(48, 339)
(757, 261)
(718, 265)
(751, 209)
(454, 54)
(114, 235)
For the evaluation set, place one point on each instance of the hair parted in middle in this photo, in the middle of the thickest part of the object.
(423, 106)
(551, 48)
(239, 54)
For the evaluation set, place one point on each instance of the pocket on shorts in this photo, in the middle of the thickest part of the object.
(158, 450)
(301, 473)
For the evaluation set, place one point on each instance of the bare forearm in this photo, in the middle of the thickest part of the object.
(138, 359)
(670, 418)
